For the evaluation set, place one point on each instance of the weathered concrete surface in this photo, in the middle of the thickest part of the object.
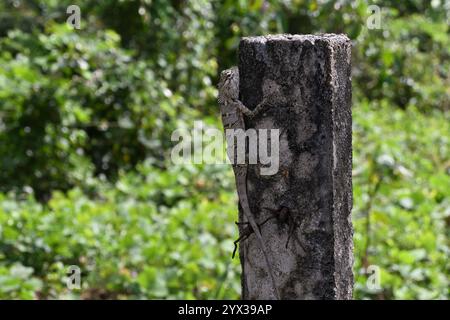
(307, 79)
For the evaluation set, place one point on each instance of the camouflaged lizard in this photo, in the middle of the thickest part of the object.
(233, 111)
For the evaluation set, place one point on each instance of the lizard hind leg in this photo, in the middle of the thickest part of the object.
(241, 238)
(247, 232)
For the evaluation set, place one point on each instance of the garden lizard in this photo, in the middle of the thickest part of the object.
(233, 111)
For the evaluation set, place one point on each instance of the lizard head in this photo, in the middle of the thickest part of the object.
(229, 83)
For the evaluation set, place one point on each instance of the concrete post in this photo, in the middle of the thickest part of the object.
(307, 81)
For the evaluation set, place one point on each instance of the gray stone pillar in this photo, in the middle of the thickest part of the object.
(307, 81)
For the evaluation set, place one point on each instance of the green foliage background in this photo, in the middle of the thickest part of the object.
(85, 123)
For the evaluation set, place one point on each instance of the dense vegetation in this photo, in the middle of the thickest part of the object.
(85, 123)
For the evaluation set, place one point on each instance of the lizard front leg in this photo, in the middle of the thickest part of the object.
(252, 113)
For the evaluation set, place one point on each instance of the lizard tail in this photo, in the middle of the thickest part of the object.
(249, 216)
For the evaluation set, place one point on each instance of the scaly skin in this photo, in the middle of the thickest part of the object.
(233, 112)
